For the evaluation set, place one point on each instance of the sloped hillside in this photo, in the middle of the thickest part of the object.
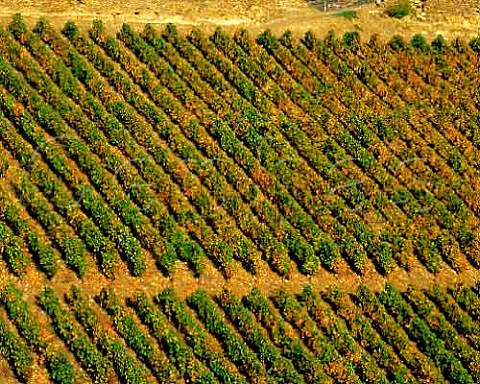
(237, 208)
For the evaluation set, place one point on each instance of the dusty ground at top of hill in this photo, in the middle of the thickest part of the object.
(451, 18)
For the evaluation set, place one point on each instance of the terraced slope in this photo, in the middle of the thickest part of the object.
(205, 166)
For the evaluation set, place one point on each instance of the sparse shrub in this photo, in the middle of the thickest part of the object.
(419, 43)
(309, 40)
(397, 43)
(347, 14)
(287, 39)
(351, 40)
(439, 45)
(400, 9)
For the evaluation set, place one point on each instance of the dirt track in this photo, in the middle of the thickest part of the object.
(276, 15)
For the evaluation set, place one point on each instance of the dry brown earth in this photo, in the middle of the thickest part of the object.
(451, 18)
